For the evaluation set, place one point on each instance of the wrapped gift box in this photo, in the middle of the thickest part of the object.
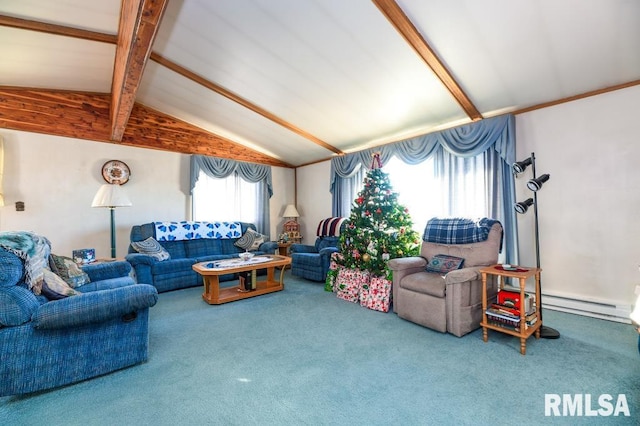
(332, 273)
(376, 294)
(349, 283)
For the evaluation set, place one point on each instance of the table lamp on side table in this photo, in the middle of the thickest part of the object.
(291, 227)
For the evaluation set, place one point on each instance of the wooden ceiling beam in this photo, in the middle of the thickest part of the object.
(139, 23)
(106, 38)
(149, 128)
(26, 24)
(240, 100)
(83, 115)
(577, 97)
(410, 33)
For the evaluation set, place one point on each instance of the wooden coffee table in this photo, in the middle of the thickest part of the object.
(210, 271)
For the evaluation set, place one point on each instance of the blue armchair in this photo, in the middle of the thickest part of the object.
(312, 261)
(50, 343)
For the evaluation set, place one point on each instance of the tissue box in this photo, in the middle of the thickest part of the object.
(84, 255)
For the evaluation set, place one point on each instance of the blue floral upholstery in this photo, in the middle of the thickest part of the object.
(46, 344)
(177, 272)
(312, 261)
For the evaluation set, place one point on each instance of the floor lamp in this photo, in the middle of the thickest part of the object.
(111, 196)
(534, 184)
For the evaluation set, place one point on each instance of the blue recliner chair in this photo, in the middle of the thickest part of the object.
(312, 261)
(49, 343)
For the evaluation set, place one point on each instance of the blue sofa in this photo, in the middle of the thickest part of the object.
(46, 344)
(177, 272)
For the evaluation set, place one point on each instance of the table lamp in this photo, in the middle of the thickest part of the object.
(291, 227)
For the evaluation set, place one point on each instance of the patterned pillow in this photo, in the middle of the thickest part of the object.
(55, 288)
(442, 263)
(152, 248)
(66, 268)
(251, 240)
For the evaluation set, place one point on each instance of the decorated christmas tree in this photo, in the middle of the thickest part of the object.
(379, 227)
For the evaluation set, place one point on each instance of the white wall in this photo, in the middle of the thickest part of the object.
(588, 210)
(57, 177)
(284, 192)
(314, 198)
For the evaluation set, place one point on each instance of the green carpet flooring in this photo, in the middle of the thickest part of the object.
(304, 357)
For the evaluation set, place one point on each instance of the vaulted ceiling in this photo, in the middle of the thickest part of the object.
(293, 82)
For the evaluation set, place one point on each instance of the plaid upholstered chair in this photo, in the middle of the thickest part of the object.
(312, 261)
(442, 288)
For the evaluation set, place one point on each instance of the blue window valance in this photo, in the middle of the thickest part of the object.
(221, 168)
(468, 140)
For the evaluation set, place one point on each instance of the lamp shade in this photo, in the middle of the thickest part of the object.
(110, 195)
(523, 206)
(521, 166)
(536, 184)
(290, 211)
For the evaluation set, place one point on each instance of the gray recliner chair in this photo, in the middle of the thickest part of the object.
(447, 302)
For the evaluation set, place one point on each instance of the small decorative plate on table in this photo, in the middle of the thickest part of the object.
(511, 268)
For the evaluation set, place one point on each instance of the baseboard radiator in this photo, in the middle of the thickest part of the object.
(587, 306)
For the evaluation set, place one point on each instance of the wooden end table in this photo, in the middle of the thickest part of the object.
(214, 295)
(522, 273)
(283, 248)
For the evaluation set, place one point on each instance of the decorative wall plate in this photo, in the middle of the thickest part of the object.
(116, 172)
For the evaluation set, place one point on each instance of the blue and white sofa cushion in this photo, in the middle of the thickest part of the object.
(193, 230)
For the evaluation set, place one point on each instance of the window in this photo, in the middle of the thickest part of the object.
(456, 187)
(225, 199)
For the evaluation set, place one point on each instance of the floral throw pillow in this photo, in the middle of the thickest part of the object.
(443, 263)
(152, 248)
(66, 268)
(251, 240)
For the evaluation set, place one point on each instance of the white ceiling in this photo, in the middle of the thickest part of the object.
(336, 69)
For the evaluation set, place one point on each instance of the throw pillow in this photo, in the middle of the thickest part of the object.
(55, 288)
(443, 263)
(152, 248)
(68, 270)
(251, 240)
